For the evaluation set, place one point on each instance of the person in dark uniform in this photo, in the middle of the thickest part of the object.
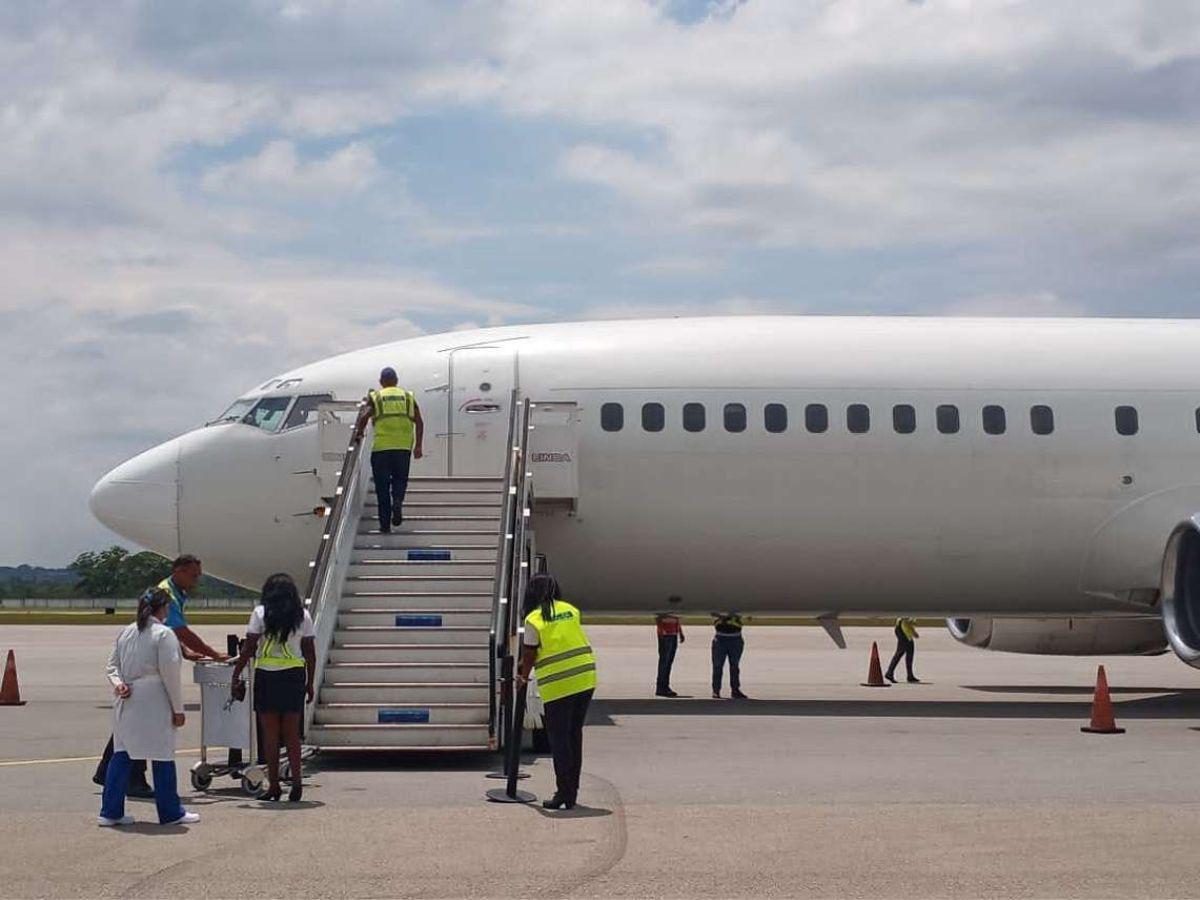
(670, 636)
(728, 644)
(906, 646)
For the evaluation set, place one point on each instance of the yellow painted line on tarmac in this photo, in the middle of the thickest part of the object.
(66, 759)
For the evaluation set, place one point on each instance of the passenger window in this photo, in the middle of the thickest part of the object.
(994, 420)
(904, 419)
(735, 417)
(268, 413)
(858, 418)
(947, 419)
(1127, 420)
(612, 417)
(1041, 420)
(305, 410)
(775, 418)
(816, 418)
(693, 417)
(653, 416)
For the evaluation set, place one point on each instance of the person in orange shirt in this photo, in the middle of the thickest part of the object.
(670, 636)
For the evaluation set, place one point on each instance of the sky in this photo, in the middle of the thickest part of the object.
(199, 194)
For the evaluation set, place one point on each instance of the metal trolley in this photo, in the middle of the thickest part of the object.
(228, 723)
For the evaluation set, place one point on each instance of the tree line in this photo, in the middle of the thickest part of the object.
(114, 572)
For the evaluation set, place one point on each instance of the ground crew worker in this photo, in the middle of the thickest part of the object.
(399, 436)
(670, 636)
(728, 644)
(906, 646)
(566, 673)
(186, 572)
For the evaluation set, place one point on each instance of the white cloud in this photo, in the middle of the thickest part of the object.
(676, 267)
(278, 170)
(1037, 303)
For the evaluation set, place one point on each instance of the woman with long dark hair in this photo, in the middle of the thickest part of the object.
(279, 639)
(143, 670)
(556, 645)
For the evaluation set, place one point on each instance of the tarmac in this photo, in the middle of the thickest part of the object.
(977, 783)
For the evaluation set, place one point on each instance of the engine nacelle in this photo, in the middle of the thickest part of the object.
(1181, 594)
(1078, 636)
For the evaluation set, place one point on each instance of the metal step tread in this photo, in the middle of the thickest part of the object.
(452, 548)
(400, 726)
(432, 595)
(391, 629)
(405, 665)
(417, 531)
(406, 704)
(420, 577)
(408, 685)
(424, 563)
(400, 647)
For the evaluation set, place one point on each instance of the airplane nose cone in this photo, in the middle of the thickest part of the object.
(139, 499)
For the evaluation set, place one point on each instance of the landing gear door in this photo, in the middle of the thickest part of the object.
(554, 453)
(482, 380)
(335, 424)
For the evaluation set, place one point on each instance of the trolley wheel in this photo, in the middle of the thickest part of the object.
(201, 776)
(254, 781)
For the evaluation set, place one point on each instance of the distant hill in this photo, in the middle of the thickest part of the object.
(40, 581)
(9, 574)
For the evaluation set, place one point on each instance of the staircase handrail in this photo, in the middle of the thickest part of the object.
(334, 554)
(498, 647)
(518, 577)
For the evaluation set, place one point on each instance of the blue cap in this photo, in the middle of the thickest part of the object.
(388, 374)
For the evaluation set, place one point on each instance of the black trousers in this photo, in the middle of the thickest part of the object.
(667, 646)
(564, 726)
(137, 767)
(727, 648)
(904, 648)
(390, 468)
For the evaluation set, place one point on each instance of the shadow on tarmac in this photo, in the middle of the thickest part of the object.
(579, 812)
(1171, 704)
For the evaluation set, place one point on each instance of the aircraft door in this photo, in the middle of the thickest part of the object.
(481, 383)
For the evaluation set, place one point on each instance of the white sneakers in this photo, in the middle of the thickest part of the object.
(186, 819)
(109, 823)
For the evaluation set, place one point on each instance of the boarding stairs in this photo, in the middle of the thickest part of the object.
(415, 628)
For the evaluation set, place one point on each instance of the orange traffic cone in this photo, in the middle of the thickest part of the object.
(10, 694)
(1103, 721)
(875, 672)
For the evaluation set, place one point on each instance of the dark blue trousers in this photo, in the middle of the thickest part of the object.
(667, 647)
(166, 789)
(390, 469)
(727, 648)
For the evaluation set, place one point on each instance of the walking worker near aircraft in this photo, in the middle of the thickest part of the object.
(566, 672)
(186, 572)
(728, 644)
(399, 435)
(144, 672)
(906, 646)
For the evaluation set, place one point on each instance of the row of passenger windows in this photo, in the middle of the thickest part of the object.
(858, 418)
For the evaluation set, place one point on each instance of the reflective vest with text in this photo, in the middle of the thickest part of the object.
(395, 418)
(565, 664)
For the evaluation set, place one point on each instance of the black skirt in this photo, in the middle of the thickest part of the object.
(279, 691)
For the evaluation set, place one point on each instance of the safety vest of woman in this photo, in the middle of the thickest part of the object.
(565, 664)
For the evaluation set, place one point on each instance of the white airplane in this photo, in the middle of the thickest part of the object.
(1036, 481)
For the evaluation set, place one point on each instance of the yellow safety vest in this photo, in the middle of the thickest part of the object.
(275, 656)
(565, 663)
(909, 627)
(395, 422)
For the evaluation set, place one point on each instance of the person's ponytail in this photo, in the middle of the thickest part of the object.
(151, 601)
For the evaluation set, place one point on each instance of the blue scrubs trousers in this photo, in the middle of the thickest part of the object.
(166, 789)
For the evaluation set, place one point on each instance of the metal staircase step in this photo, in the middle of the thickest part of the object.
(367, 525)
(432, 584)
(407, 601)
(413, 692)
(399, 737)
(412, 510)
(409, 653)
(402, 713)
(389, 634)
(425, 537)
(349, 673)
(364, 552)
(414, 617)
(400, 568)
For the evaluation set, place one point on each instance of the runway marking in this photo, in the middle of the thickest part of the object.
(66, 759)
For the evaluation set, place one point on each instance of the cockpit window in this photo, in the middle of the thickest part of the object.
(267, 413)
(235, 412)
(305, 410)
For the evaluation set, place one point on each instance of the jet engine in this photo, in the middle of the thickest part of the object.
(1078, 636)
(1181, 594)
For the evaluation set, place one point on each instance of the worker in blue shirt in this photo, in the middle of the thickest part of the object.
(186, 572)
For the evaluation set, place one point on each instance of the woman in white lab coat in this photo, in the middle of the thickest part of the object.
(144, 672)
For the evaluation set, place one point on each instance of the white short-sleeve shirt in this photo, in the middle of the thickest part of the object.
(258, 626)
(532, 638)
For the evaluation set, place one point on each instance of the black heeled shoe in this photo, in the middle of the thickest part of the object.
(556, 802)
(296, 793)
(274, 793)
